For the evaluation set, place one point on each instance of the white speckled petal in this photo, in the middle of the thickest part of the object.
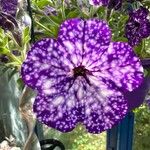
(105, 107)
(60, 109)
(70, 38)
(137, 26)
(98, 105)
(55, 112)
(98, 2)
(83, 41)
(97, 38)
(44, 65)
(120, 64)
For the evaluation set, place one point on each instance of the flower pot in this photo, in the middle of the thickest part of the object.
(11, 123)
(15, 114)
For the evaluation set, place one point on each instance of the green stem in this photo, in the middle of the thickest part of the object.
(56, 24)
(108, 14)
(91, 11)
(44, 27)
(143, 48)
(63, 10)
(24, 51)
(10, 35)
(14, 58)
(32, 25)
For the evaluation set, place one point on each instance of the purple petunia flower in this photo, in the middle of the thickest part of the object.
(80, 75)
(138, 26)
(116, 4)
(9, 6)
(99, 2)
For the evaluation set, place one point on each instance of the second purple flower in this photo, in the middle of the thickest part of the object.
(138, 26)
(116, 4)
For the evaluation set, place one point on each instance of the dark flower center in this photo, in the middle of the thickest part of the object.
(80, 71)
(137, 24)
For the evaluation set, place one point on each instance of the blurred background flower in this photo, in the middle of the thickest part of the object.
(137, 26)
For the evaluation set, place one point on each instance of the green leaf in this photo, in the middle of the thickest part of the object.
(43, 3)
(146, 72)
(44, 20)
(1, 31)
(26, 35)
(138, 49)
(5, 40)
(121, 39)
(73, 14)
(4, 50)
(56, 19)
(20, 84)
(147, 3)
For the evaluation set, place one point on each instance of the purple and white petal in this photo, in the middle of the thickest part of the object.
(145, 30)
(137, 26)
(132, 32)
(44, 64)
(105, 106)
(55, 113)
(97, 37)
(140, 14)
(98, 2)
(97, 105)
(116, 4)
(61, 110)
(70, 38)
(121, 66)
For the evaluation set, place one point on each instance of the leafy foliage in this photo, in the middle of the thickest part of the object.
(142, 128)
(78, 139)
